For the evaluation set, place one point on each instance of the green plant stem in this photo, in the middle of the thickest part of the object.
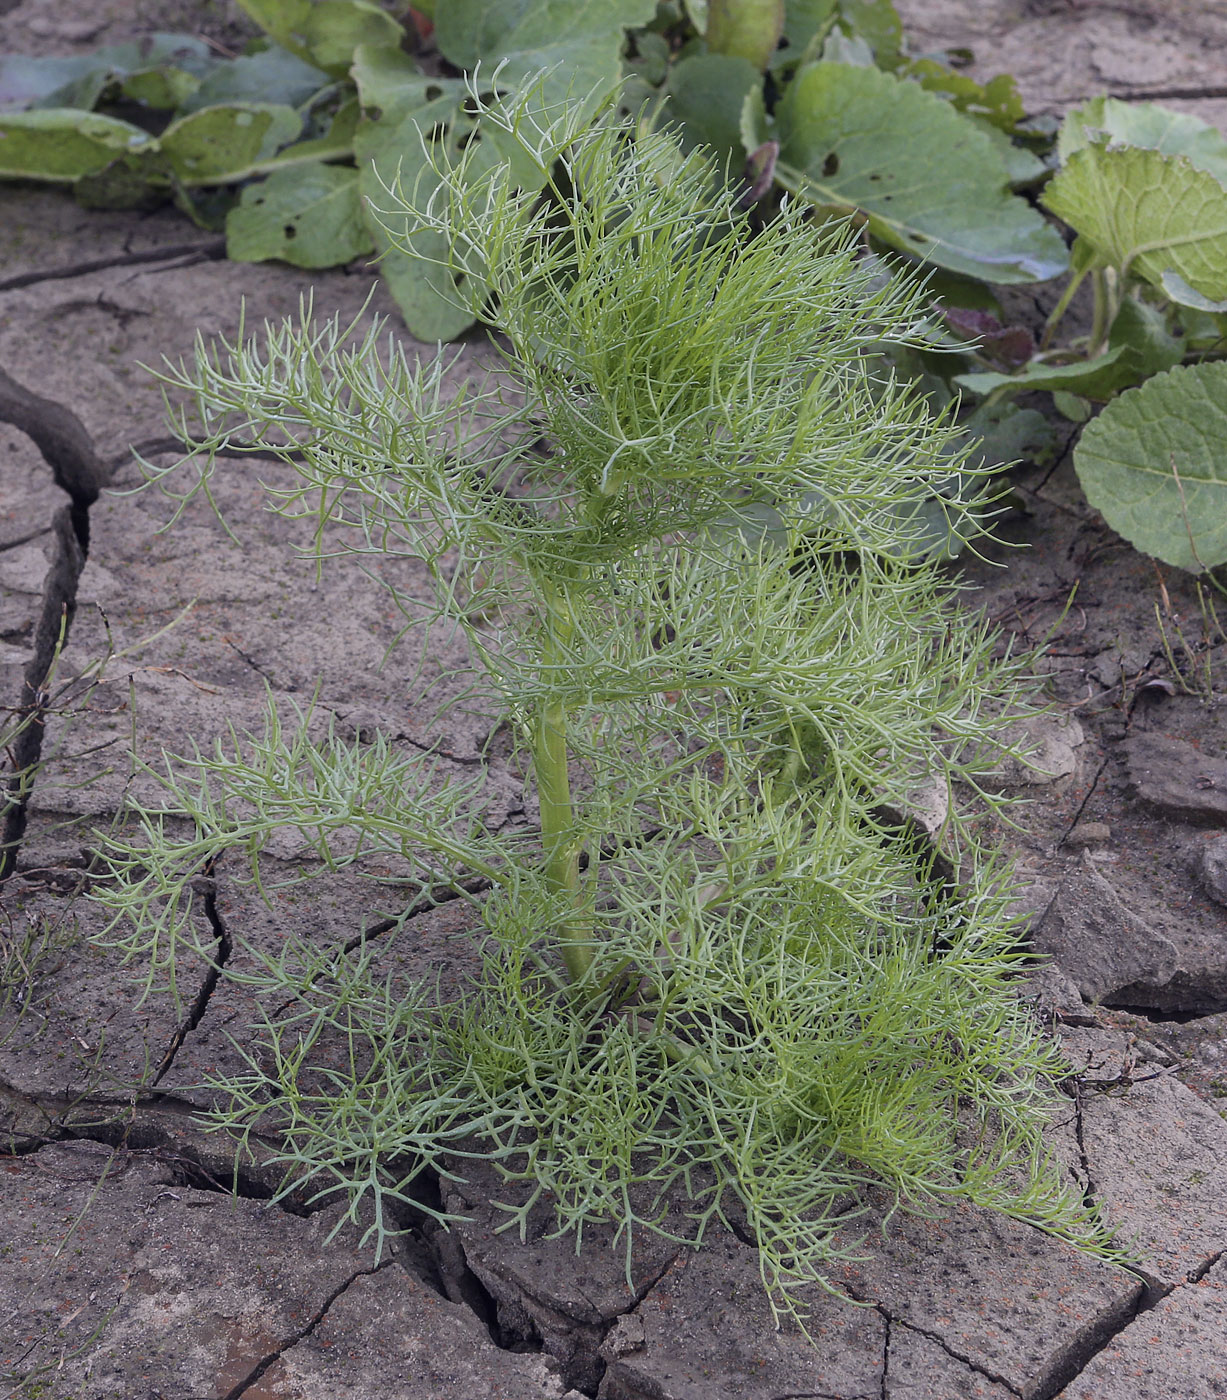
(1103, 313)
(1059, 310)
(551, 764)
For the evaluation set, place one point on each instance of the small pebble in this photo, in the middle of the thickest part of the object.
(1214, 868)
(81, 31)
(1089, 834)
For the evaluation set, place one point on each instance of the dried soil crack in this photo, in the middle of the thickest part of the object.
(30, 714)
(69, 451)
(210, 251)
(938, 1340)
(200, 1003)
(294, 1338)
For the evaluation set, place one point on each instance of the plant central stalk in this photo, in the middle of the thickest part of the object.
(562, 843)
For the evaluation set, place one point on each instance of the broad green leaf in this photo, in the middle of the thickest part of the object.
(162, 70)
(54, 82)
(274, 75)
(220, 144)
(1179, 291)
(806, 23)
(1139, 345)
(1096, 378)
(996, 101)
(131, 182)
(650, 60)
(1147, 214)
(1109, 121)
(336, 142)
(1072, 406)
(80, 80)
(1154, 464)
(841, 47)
(1149, 345)
(208, 206)
(878, 23)
(579, 42)
(1002, 433)
(414, 265)
(1022, 166)
(163, 88)
(745, 29)
(335, 28)
(706, 95)
(63, 144)
(928, 180)
(282, 19)
(390, 84)
(310, 216)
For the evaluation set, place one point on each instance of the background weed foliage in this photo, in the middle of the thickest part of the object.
(289, 145)
(717, 983)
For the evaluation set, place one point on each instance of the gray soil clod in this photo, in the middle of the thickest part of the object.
(128, 1267)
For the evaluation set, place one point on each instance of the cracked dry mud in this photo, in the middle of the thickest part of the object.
(137, 1261)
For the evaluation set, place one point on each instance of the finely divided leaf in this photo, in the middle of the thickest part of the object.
(929, 182)
(1154, 464)
(310, 216)
(1147, 214)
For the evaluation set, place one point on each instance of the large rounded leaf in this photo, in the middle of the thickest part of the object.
(1154, 464)
(928, 180)
(572, 46)
(1156, 216)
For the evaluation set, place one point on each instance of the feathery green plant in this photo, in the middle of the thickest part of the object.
(717, 984)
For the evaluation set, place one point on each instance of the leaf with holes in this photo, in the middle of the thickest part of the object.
(62, 144)
(1154, 464)
(927, 180)
(310, 216)
(415, 113)
(219, 145)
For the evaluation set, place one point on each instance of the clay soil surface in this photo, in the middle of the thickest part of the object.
(133, 1261)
